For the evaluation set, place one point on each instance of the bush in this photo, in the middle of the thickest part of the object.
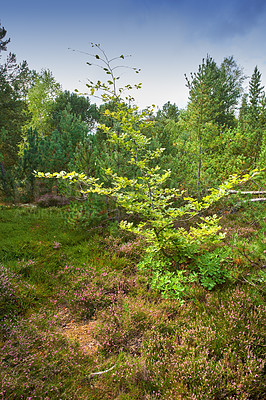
(88, 213)
(52, 200)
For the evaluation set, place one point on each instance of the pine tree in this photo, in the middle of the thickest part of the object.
(243, 113)
(222, 88)
(3, 43)
(255, 95)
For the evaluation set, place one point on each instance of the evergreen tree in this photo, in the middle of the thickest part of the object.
(222, 87)
(255, 118)
(213, 96)
(13, 78)
(255, 96)
(243, 113)
(77, 105)
(229, 89)
(202, 110)
(262, 117)
(30, 160)
(57, 149)
(168, 112)
(3, 43)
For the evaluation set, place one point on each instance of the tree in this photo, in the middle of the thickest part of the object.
(243, 113)
(168, 112)
(3, 43)
(252, 119)
(255, 96)
(255, 115)
(78, 106)
(30, 160)
(147, 195)
(113, 97)
(222, 87)
(160, 207)
(13, 78)
(52, 152)
(168, 115)
(202, 110)
(262, 117)
(213, 95)
(57, 149)
(229, 89)
(40, 99)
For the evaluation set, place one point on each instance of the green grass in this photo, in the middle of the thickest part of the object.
(53, 277)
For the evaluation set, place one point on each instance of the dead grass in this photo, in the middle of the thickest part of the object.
(82, 333)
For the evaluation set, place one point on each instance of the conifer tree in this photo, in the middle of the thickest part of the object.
(255, 95)
(3, 43)
(243, 113)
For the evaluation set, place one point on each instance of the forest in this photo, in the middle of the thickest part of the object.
(133, 242)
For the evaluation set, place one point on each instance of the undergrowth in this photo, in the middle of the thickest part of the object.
(208, 346)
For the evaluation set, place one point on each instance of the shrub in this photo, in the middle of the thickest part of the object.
(211, 266)
(87, 213)
(52, 200)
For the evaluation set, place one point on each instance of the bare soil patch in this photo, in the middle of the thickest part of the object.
(78, 332)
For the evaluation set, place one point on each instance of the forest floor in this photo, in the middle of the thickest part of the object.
(78, 320)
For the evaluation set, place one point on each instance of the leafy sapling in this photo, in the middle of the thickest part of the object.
(146, 194)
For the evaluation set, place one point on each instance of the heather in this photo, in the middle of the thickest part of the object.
(73, 302)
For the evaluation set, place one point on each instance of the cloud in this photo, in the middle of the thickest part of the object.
(227, 19)
(239, 18)
(208, 18)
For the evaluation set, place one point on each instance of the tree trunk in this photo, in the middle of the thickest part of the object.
(3, 173)
(199, 172)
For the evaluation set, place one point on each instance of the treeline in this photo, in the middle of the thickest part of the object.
(222, 130)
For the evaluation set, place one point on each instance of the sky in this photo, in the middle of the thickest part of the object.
(165, 38)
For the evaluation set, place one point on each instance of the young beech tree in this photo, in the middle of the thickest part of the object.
(161, 208)
(147, 195)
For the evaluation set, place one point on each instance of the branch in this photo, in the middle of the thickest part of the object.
(245, 255)
(256, 183)
(100, 372)
(254, 192)
(259, 199)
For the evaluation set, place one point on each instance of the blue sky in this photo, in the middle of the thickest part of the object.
(165, 38)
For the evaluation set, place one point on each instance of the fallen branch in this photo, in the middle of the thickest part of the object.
(254, 192)
(258, 199)
(247, 257)
(100, 372)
